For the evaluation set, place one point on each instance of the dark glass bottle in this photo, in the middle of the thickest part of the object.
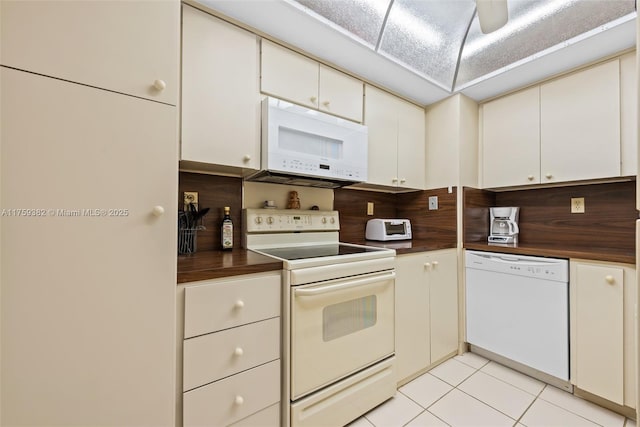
(226, 231)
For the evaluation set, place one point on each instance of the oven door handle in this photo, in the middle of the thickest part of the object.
(340, 286)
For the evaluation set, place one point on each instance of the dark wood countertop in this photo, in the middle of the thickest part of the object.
(596, 254)
(217, 264)
(407, 246)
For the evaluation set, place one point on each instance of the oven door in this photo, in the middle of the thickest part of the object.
(339, 327)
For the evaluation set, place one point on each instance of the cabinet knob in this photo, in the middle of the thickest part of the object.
(238, 351)
(313, 99)
(403, 180)
(427, 265)
(548, 176)
(609, 279)
(158, 210)
(159, 85)
(326, 103)
(434, 263)
(394, 179)
(246, 158)
(239, 400)
(530, 177)
(239, 304)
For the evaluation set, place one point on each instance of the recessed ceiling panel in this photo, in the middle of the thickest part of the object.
(426, 36)
(362, 18)
(533, 26)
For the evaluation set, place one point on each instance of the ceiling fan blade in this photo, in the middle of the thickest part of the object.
(492, 14)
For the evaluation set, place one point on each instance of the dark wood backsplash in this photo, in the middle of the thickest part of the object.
(546, 218)
(438, 226)
(214, 192)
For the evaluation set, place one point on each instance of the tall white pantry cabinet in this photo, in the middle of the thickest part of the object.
(88, 184)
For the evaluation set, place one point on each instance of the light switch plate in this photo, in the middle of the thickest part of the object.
(433, 203)
(369, 208)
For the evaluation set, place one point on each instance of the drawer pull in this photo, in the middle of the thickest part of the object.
(238, 351)
(239, 400)
(610, 280)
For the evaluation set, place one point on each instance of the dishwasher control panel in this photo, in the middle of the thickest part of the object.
(555, 269)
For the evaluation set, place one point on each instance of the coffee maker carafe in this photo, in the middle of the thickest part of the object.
(503, 227)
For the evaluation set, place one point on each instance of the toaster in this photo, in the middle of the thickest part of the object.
(384, 230)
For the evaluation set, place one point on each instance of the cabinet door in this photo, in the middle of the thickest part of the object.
(340, 94)
(288, 75)
(412, 314)
(628, 115)
(511, 140)
(220, 95)
(443, 300)
(123, 46)
(580, 125)
(411, 145)
(381, 117)
(597, 329)
(88, 290)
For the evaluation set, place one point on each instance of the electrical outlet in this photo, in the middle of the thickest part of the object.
(190, 197)
(433, 203)
(369, 208)
(577, 205)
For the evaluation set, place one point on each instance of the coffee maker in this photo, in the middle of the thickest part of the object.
(503, 227)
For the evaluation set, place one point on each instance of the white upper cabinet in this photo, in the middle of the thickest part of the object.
(220, 94)
(340, 94)
(628, 115)
(511, 140)
(580, 125)
(396, 140)
(132, 48)
(296, 78)
(568, 129)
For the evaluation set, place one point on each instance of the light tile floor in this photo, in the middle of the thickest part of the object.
(471, 391)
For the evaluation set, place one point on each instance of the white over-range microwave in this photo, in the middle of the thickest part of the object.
(306, 147)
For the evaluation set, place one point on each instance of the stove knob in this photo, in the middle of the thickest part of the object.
(324, 220)
(333, 220)
(258, 220)
(270, 220)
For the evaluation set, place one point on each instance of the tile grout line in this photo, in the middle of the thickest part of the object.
(530, 405)
(520, 373)
(427, 408)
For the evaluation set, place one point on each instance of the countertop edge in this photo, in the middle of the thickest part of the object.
(605, 255)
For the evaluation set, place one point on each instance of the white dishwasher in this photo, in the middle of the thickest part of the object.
(517, 312)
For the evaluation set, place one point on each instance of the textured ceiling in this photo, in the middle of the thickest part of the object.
(441, 41)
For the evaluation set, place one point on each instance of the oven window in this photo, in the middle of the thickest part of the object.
(394, 228)
(348, 317)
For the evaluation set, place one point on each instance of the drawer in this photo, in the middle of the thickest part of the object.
(221, 305)
(208, 358)
(234, 398)
(269, 417)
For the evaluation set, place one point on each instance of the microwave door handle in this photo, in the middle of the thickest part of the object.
(341, 286)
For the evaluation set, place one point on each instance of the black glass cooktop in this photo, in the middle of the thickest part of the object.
(306, 252)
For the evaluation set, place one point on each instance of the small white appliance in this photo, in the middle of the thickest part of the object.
(384, 230)
(306, 147)
(337, 317)
(504, 225)
(517, 313)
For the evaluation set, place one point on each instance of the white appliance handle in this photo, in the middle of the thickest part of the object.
(344, 285)
(513, 227)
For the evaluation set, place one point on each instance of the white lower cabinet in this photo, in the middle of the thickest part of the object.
(602, 330)
(229, 334)
(426, 310)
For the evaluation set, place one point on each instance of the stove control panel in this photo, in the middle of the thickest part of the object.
(288, 220)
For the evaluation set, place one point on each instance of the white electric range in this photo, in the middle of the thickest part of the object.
(338, 316)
